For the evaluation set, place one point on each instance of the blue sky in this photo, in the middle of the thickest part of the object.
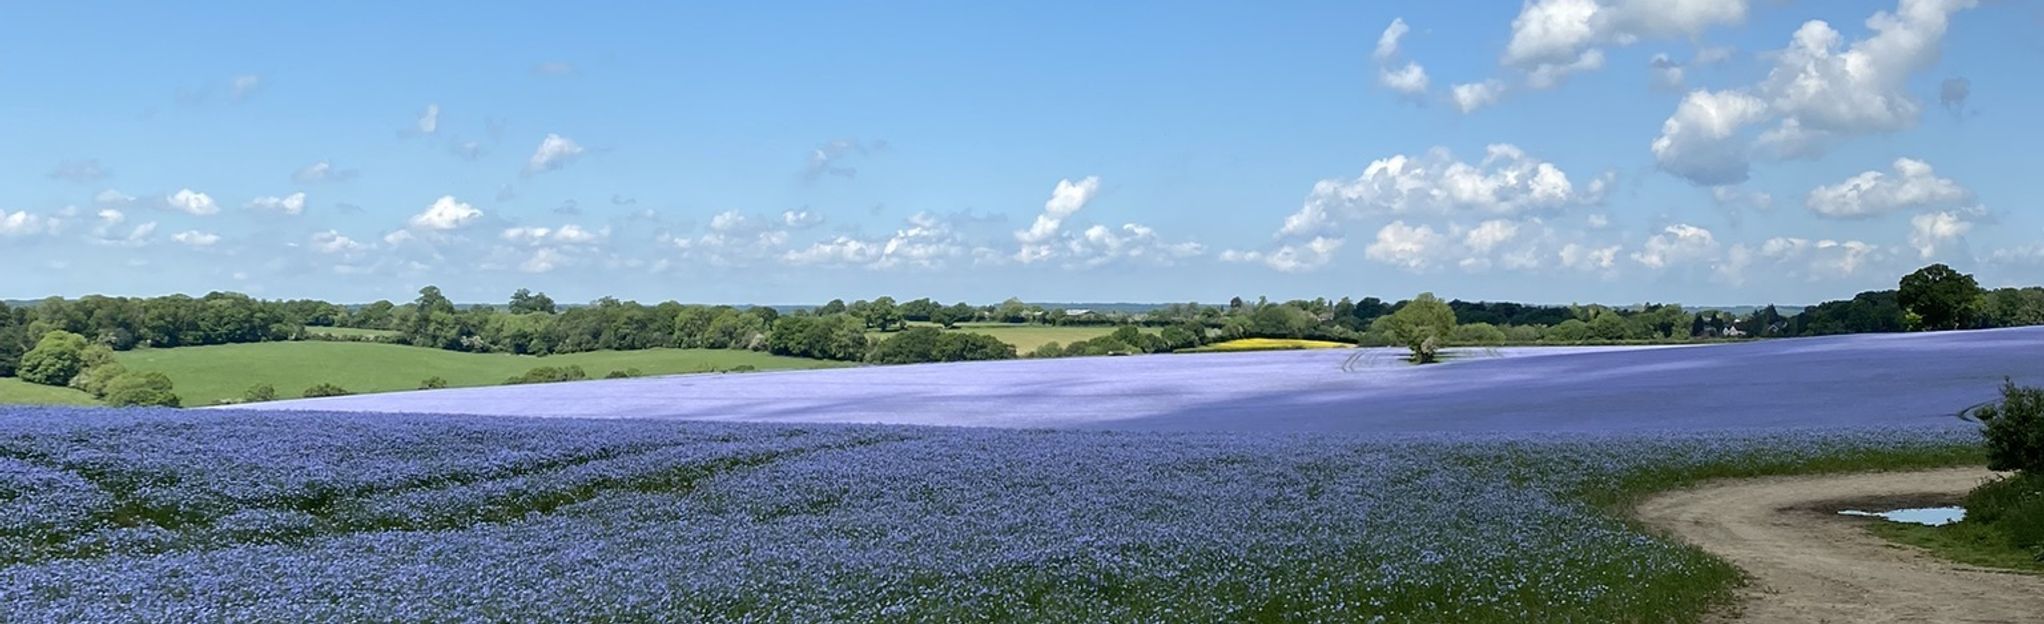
(1563, 150)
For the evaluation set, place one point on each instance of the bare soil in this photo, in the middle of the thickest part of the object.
(1809, 564)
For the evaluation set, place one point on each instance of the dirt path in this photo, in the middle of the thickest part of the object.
(1811, 565)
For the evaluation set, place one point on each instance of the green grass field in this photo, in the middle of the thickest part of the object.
(350, 332)
(16, 391)
(207, 375)
(1025, 337)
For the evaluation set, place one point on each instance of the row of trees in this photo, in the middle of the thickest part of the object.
(1935, 297)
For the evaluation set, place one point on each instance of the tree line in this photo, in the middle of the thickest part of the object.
(1935, 297)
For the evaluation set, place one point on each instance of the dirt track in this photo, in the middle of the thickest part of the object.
(1809, 564)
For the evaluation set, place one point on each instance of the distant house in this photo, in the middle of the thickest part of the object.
(1078, 311)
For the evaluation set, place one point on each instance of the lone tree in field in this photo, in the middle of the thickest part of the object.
(1421, 325)
(1939, 297)
(2014, 429)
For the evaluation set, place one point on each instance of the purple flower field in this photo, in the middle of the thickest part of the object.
(159, 516)
(1475, 491)
(1890, 379)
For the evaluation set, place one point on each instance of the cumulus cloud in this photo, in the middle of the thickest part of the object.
(1470, 97)
(1064, 200)
(289, 204)
(1507, 181)
(1676, 244)
(1586, 257)
(85, 171)
(1291, 258)
(800, 219)
(1550, 75)
(446, 213)
(192, 202)
(1819, 92)
(113, 198)
(569, 234)
(195, 238)
(555, 151)
(1912, 186)
(1930, 232)
(1410, 247)
(926, 242)
(1551, 32)
(333, 242)
(107, 230)
(1409, 79)
(23, 224)
(1700, 141)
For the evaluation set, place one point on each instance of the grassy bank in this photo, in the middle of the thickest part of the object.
(17, 392)
(2004, 528)
(207, 375)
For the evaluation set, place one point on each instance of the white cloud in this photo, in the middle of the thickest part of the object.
(22, 223)
(104, 231)
(1548, 32)
(1409, 80)
(192, 202)
(1064, 200)
(1820, 259)
(195, 238)
(1550, 75)
(555, 151)
(1582, 257)
(1100, 245)
(289, 204)
(1472, 96)
(1291, 258)
(1506, 182)
(1489, 234)
(1700, 141)
(925, 242)
(446, 213)
(1931, 231)
(112, 197)
(1046, 238)
(543, 260)
(333, 242)
(1387, 43)
(569, 234)
(1820, 91)
(1676, 244)
(1410, 247)
(800, 219)
(1912, 187)
(322, 171)
(429, 119)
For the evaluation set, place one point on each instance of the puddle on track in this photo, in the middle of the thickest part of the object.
(1927, 516)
